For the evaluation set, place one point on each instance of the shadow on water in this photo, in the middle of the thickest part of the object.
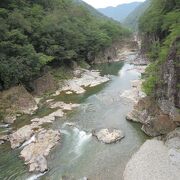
(111, 68)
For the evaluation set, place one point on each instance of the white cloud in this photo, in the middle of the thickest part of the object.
(105, 3)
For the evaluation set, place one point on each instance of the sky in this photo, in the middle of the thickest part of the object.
(106, 3)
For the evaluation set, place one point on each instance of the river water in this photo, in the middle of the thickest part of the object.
(79, 154)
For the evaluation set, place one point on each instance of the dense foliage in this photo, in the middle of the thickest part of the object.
(34, 34)
(159, 27)
(132, 19)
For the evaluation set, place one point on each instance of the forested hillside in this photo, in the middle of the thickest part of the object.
(132, 19)
(160, 29)
(34, 34)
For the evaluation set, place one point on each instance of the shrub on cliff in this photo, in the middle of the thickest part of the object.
(159, 28)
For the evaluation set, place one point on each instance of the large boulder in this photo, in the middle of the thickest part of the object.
(16, 100)
(156, 159)
(108, 135)
(9, 118)
(3, 138)
(151, 162)
(44, 84)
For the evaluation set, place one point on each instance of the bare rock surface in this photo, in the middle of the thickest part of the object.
(135, 93)
(16, 100)
(108, 136)
(156, 160)
(44, 84)
(4, 138)
(9, 118)
(155, 122)
(21, 135)
(35, 153)
(87, 79)
(49, 118)
(58, 113)
(173, 139)
(63, 105)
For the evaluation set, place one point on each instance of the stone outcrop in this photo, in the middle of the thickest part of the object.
(172, 140)
(49, 118)
(155, 121)
(21, 135)
(108, 136)
(35, 141)
(63, 105)
(9, 118)
(3, 138)
(113, 53)
(135, 93)
(160, 114)
(87, 79)
(44, 84)
(16, 100)
(35, 153)
(170, 76)
(156, 160)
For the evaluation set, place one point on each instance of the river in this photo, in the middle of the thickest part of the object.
(79, 154)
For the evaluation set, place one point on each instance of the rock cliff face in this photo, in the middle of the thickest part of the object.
(154, 121)
(112, 53)
(168, 92)
(160, 114)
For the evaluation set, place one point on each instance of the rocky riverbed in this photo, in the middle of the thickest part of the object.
(67, 126)
(87, 79)
(36, 142)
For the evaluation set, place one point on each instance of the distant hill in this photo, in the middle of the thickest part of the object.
(131, 21)
(90, 8)
(119, 12)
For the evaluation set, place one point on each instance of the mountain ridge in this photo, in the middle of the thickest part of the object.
(120, 12)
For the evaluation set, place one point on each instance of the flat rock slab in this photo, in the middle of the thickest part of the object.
(49, 118)
(63, 105)
(87, 79)
(152, 162)
(108, 136)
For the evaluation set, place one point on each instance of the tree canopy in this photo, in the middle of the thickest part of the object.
(35, 33)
